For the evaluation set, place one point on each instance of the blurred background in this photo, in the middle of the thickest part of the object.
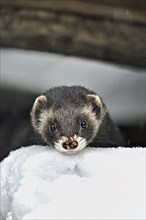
(97, 44)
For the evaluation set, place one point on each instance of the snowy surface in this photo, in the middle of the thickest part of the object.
(40, 183)
(122, 89)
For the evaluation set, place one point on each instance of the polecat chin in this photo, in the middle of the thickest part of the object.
(72, 118)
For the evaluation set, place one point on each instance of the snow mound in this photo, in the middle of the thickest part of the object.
(40, 183)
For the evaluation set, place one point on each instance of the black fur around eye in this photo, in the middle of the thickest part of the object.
(96, 109)
(84, 124)
(52, 128)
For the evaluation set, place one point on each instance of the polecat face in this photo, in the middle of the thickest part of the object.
(68, 117)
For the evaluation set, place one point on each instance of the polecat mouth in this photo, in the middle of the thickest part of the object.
(70, 145)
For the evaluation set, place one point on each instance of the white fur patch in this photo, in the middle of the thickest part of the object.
(43, 119)
(81, 145)
(93, 118)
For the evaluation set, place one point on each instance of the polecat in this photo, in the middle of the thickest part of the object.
(72, 118)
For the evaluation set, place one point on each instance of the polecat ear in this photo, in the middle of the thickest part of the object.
(95, 98)
(95, 101)
(41, 101)
(39, 105)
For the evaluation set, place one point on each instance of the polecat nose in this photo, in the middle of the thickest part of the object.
(70, 145)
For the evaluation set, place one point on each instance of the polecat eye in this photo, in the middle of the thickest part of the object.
(52, 128)
(84, 124)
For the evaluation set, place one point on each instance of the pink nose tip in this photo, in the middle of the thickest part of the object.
(70, 145)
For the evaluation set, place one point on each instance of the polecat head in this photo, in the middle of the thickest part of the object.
(68, 117)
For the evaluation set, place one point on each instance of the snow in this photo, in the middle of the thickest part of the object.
(38, 182)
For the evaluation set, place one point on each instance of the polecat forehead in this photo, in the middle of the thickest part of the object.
(71, 110)
(66, 96)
